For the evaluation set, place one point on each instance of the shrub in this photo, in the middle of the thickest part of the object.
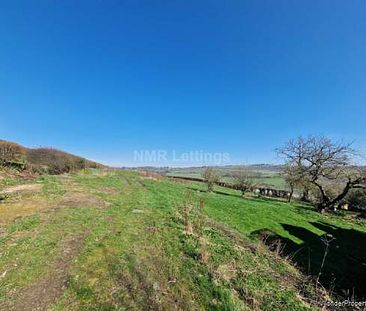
(356, 199)
(10, 153)
(56, 162)
(210, 176)
(245, 180)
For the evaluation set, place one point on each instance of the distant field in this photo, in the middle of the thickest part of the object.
(267, 177)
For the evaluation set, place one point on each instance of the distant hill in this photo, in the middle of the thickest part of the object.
(41, 160)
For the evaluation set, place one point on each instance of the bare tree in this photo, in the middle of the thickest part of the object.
(210, 176)
(325, 165)
(245, 180)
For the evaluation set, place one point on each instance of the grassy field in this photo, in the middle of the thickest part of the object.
(299, 229)
(266, 177)
(114, 240)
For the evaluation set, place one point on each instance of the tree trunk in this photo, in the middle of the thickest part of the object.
(291, 195)
(322, 208)
(209, 187)
(327, 203)
(305, 195)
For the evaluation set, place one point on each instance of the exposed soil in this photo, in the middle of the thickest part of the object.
(226, 272)
(22, 188)
(109, 190)
(47, 289)
(79, 199)
(10, 211)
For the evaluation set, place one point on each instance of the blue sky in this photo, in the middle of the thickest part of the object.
(106, 78)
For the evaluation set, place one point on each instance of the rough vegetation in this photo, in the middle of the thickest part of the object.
(101, 239)
(115, 240)
(40, 160)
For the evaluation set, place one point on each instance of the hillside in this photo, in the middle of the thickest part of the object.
(41, 160)
(116, 240)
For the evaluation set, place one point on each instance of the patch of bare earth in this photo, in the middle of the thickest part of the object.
(226, 272)
(22, 188)
(45, 291)
(109, 190)
(80, 199)
(13, 205)
(10, 211)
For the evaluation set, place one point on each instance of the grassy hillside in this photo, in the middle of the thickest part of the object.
(299, 230)
(114, 240)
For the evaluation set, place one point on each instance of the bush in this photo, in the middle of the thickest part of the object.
(56, 162)
(41, 160)
(210, 176)
(11, 154)
(356, 199)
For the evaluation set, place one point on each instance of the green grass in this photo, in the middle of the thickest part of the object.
(134, 253)
(300, 228)
(25, 223)
(272, 179)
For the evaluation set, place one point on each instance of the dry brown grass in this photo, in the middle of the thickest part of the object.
(80, 199)
(22, 188)
(10, 211)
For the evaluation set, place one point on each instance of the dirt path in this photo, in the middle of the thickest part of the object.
(80, 199)
(42, 293)
(22, 188)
